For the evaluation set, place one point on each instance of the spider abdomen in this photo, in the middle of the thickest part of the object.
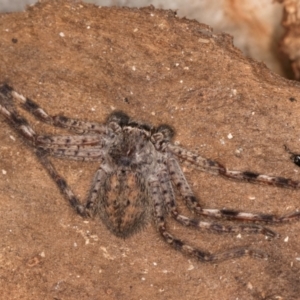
(122, 202)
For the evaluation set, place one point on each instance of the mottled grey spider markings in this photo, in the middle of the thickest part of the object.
(138, 174)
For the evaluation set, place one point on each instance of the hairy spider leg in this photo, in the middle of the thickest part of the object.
(216, 168)
(60, 182)
(186, 249)
(23, 127)
(228, 214)
(60, 121)
(169, 200)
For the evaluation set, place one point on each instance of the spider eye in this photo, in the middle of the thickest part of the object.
(166, 130)
(119, 117)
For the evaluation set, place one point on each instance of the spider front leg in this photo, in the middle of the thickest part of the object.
(59, 121)
(80, 147)
(23, 127)
(157, 198)
(215, 168)
(73, 147)
(180, 182)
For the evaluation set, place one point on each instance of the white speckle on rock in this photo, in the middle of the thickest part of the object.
(239, 150)
(203, 41)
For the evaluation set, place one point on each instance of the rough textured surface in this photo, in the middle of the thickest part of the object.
(254, 24)
(85, 61)
(289, 44)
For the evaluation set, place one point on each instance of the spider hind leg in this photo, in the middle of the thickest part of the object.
(186, 249)
(169, 202)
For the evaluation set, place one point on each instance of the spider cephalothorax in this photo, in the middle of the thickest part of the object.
(138, 175)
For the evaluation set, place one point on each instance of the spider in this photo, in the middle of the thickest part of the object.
(138, 175)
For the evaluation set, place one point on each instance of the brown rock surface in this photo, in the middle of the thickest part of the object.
(84, 61)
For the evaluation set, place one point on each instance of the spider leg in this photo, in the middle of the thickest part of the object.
(59, 121)
(191, 201)
(229, 214)
(182, 185)
(21, 125)
(154, 191)
(60, 182)
(97, 183)
(82, 148)
(71, 140)
(98, 180)
(216, 168)
(79, 154)
(77, 147)
(40, 144)
(169, 200)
